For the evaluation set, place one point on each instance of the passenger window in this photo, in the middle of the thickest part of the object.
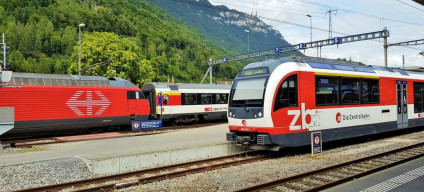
(206, 98)
(350, 91)
(287, 94)
(327, 90)
(370, 91)
(418, 97)
(221, 98)
(190, 99)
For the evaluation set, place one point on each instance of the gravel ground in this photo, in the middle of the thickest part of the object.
(42, 173)
(234, 178)
(228, 179)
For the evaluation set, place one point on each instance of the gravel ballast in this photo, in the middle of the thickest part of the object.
(229, 179)
(42, 173)
(234, 178)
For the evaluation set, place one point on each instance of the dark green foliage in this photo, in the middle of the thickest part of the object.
(144, 42)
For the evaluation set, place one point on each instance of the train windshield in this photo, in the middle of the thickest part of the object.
(248, 92)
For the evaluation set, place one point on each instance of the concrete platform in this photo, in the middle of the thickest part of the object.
(127, 153)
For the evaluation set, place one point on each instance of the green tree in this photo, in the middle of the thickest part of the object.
(107, 54)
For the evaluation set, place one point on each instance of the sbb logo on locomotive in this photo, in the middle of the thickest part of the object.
(75, 103)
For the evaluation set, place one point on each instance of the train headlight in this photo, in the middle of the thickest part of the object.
(260, 114)
(255, 116)
(230, 114)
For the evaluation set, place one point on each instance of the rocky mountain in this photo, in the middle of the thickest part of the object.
(223, 26)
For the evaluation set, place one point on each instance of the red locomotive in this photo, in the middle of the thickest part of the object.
(48, 103)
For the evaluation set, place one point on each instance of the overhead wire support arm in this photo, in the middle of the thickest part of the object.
(301, 46)
(408, 43)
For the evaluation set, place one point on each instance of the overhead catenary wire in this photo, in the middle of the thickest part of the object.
(410, 5)
(360, 13)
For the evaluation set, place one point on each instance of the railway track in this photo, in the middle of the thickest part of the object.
(112, 182)
(28, 143)
(334, 175)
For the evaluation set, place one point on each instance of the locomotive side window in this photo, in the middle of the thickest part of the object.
(131, 95)
(135, 95)
(287, 94)
(327, 90)
(418, 97)
(370, 91)
(350, 91)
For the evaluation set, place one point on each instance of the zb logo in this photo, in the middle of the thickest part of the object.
(339, 118)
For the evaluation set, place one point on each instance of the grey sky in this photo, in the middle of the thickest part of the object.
(352, 17)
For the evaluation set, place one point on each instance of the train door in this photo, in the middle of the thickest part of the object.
(132, 97)
(163, 101)
(402, 104)
(151, 99)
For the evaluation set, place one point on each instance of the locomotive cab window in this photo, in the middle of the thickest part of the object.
(327, 90)
(287, 94)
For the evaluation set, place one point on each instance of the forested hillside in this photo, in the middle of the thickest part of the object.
(133, 39)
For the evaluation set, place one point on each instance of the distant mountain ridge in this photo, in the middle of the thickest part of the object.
(224, 26)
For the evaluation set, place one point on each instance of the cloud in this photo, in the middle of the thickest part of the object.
(345, 22)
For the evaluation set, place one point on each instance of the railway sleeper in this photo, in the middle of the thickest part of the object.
(334, 174)
(355, 169)
(381, 162)
(324, 180)
(350, 170)
(296, 186)
(312, 181)
(344, 172)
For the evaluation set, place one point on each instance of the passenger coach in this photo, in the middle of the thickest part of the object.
(185, 103)
(278, 103)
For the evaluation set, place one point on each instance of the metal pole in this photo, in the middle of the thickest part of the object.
(210, 75)
(79, 47)
(248, 43)
(385, 51)
(311, 25)
(79, 50)
(403, 60)
(247, 31)
(4, 51)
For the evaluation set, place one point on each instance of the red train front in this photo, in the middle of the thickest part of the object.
(279, 103)
(58, 103)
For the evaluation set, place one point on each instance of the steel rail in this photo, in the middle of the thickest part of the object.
(116, 180)
(287, 182)
(28, 143)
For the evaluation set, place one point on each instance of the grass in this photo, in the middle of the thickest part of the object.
(32, 149)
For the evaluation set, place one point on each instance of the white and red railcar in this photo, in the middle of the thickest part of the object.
(183, 103)
(279, 103)
(48, 103)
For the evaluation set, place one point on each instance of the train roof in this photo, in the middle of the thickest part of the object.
(178, 86)
(339, 65)
(67, 80)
